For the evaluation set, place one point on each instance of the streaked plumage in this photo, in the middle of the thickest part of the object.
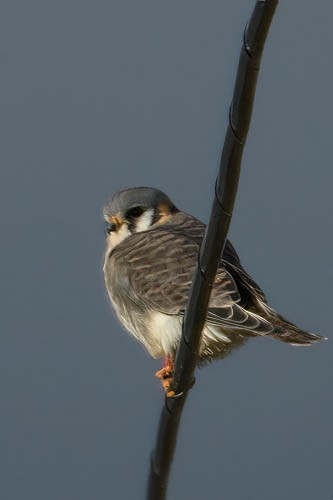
(151, 254)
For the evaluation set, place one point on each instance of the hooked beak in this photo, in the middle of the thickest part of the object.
(113, 223)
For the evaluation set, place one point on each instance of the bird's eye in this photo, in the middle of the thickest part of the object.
(110, 228)
(134, 212)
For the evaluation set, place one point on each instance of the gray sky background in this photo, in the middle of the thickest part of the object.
(101, 95)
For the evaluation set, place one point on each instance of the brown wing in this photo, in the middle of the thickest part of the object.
(154, 269)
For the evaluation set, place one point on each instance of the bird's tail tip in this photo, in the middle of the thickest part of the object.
(299, 338)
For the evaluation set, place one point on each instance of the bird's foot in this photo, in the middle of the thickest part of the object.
(166, 377)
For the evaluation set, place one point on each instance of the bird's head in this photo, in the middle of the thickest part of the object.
(135, 210)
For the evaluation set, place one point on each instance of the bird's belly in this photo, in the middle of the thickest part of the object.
(164, 332)
(161, 333)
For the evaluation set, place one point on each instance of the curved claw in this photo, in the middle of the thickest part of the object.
(166, 376)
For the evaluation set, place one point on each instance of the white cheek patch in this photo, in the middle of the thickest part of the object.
(144, 221)
(117, 237)
(113, 239)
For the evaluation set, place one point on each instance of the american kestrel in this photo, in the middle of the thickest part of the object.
(151, 253)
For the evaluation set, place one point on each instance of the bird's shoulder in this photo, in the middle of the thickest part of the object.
(178, 237)
(155, 267)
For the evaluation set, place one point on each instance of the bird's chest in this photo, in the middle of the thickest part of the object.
(120, 301)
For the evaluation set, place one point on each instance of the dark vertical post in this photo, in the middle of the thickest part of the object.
(212, 245)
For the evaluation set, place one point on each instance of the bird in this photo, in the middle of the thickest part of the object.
(151, 253)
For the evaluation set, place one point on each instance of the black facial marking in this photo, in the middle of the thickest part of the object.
(155, 217)
(134, 212)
